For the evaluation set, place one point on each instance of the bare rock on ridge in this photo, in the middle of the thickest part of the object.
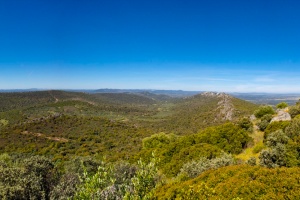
(282, 115)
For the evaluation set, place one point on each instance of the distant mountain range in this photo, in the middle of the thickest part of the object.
(258, 98)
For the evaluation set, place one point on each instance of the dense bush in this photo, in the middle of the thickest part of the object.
(275, 138)
(246, 124)
(282, 105)
(274, 126)
(264, 110)
(263, 124)
(109, 183)
(293, 129)
(158, 140)
(209, 143)
(251, 161)
(282, 151)
(273, 157)
(228, 137)
(33, 178)
(231, 182)
(194, 168)
(66, 187)
(294, 110)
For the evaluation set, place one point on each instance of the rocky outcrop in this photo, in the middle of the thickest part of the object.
(282, 115)
(225, 109)
(213, 94)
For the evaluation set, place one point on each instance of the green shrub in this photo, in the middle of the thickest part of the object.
(293, 129)
(274, 126)
(262, 125)
(264, 110)
(277, 137)
(243, 181)
(246, 124)
(32, 178)
(294, 110)
(282, 105)
(92, 186)
(280, 152)
(66, 188)
(267, 117)
(273, 157)
(158, 140)
(173, 161)
(251, 161)
(228, 137)
(195, 168)
(120, 181)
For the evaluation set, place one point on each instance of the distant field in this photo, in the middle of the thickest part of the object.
(265, 98)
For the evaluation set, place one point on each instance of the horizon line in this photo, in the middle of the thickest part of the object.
(200, 91)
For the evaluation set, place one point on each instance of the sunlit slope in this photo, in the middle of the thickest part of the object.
(204, 110)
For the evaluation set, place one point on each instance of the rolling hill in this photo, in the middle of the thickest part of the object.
(207, 109)
(177, 143)
(147, 113)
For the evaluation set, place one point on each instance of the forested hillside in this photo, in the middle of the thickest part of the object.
(146, 146)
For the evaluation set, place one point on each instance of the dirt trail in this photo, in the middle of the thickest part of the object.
(59, 139)
(84, 100)
(258, 137)
(56, 99)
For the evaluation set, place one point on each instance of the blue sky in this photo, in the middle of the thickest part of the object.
(212, 45)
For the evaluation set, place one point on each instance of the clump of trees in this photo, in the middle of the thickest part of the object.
(37, 178)
(175, 151)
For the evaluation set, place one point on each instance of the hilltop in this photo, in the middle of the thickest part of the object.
(197, 112)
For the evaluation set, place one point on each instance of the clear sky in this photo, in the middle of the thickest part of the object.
(212, 45)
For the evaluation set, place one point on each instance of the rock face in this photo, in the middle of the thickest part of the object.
(225, 109)
(282, 115)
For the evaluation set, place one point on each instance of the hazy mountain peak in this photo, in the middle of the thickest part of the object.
(215, 94)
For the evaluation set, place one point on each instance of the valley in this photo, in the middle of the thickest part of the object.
(162, 141)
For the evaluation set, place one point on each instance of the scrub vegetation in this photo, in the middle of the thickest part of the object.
(72, 145)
